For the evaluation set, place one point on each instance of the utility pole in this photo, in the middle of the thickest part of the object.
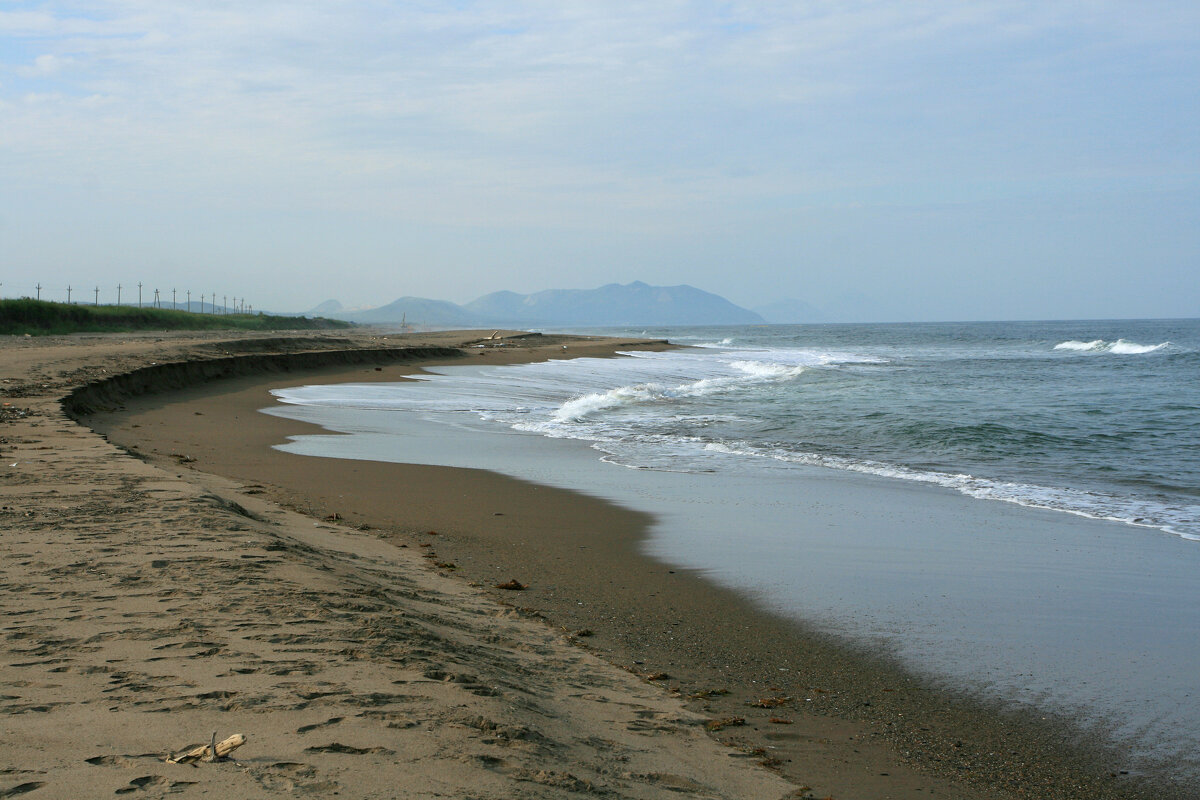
(173, 306)
(189, 305)
(96, 301)
(224, 304)
(39, 291)
(118, 294)
(139, 294)
(68, 294)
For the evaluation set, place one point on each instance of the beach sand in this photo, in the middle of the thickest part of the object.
(344, 616)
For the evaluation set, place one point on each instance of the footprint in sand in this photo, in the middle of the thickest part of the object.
(124, 760)
(151, 782)
(338, 747)
(290, 776)
(315, 726)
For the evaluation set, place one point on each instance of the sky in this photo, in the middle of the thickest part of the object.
(881, 161)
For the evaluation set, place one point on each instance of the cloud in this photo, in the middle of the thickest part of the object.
(675, 119)
(44, 65)
(635, 89)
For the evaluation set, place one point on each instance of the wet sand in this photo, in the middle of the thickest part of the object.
(842, 722)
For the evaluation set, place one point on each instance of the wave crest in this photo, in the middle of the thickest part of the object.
(579, 407)
(1096, 344)
(751, 373)
(768, 370)
(1120, 347)
(1123, 347)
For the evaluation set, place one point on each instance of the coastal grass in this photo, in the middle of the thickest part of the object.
(44, 318)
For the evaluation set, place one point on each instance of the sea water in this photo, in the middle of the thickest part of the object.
(1011, 507)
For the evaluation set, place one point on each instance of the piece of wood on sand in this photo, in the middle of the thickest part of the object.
(214, 751)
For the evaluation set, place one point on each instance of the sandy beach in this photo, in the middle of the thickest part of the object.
(172, 575)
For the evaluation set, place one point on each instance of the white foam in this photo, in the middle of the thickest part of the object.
(580, 407)
(767, 370)
(1122, 347)
(751, 373)
(1094, 505)
(1096, 344)
(1119, 347)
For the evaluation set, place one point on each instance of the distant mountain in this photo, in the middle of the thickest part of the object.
(630, 304)
(499, 305)
(417, 310)
(325, 309)
(790, 311)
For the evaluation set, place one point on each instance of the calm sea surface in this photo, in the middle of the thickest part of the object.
(996, 489)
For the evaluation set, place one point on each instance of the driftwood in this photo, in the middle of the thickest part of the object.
(214, 751)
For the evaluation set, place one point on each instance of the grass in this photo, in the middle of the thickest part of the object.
(43, 318)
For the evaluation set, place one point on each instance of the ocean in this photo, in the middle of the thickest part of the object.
(1013, 508)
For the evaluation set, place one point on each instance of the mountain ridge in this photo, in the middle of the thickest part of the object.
(613, 304)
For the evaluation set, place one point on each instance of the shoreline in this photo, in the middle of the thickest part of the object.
(859, 694)
(147, 607)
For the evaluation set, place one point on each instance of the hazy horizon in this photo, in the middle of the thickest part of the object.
(880, 161)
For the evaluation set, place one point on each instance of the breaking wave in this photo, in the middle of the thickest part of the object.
(1119, 347)
(751, 373)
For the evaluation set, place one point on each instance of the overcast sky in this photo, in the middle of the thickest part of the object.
(879, 160)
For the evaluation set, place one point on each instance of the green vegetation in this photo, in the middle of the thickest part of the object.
(42, 318)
